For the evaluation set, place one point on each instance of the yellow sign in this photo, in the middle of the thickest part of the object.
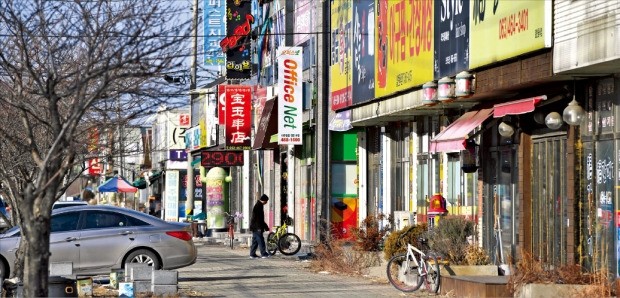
(341, 64)
(503, 29)
(404, 45)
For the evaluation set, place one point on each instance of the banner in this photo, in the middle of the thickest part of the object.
(238, 117)
(451, 38)
(404, 45)
(304, 14)
(290, 95)
(214, 29)
(505, 29)
(340, 66)
(363, 51)
(237, 43)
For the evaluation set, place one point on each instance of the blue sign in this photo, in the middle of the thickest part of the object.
(363, 50)
(214, 30)
(451, 37)
(177, 155)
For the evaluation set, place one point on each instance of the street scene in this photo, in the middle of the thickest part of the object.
(345, 147)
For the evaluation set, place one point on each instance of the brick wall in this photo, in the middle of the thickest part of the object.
(521, 71)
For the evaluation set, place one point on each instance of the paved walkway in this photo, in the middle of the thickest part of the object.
(222, 272)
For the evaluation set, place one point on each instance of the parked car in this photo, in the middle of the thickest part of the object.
(98, 239)
(63, 204)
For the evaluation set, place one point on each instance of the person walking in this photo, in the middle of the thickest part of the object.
(258, 227)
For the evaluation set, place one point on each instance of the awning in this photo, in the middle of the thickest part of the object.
(453, 137)
(267, 126)
(517, 107)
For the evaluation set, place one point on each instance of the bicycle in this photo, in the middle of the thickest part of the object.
(230, 220)
(287, 243)
(407, 272)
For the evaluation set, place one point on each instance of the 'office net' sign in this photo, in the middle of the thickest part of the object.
(289, 95)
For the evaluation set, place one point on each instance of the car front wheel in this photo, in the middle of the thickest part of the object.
(144, 256)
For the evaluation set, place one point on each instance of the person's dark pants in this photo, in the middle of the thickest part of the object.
(258, 240)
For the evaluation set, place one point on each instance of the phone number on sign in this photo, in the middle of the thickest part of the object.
(296, 139)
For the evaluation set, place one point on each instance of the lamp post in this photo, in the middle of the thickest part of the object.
(189, 203)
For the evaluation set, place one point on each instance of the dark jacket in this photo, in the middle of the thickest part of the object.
(257, 221)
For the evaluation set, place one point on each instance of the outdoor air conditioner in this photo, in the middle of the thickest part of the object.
(403, 219)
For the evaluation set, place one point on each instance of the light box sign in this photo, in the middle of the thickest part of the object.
(290, 95)
(363, 51)
(214, 29)
(340, 65)
(238, 117)
(237, 43)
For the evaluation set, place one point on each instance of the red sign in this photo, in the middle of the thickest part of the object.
(238, 117)
(94, 166)
(221, 104)
(184, 120)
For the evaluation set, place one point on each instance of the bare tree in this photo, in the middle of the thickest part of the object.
(67, 67)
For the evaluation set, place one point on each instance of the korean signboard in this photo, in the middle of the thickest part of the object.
(451, 37)
(340, 65)
(238, 117)
(290, 95)
(363, 51)
(237, 43)
(504, 29)
(214, 29)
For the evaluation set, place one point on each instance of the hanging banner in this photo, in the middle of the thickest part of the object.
(451, 38)
(214, 29)
(237, 43)
(290, 95)
(340, 66)
(238, 117)
(304, 14)
(363, 51)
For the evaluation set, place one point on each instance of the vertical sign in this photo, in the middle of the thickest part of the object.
(451, 37)
(304, 14)
(289, 95)
(221, 104)
(340, 66)
(212, 124)
(214, 29)
(171, 211)
(237, 43)
(363, 50)
(185, 121)
(605, 97)
(238, 117)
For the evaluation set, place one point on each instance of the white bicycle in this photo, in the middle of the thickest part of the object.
(407, 272)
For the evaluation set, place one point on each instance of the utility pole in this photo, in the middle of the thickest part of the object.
(189, 204)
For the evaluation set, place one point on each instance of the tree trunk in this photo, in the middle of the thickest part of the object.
(36, 261)
(20, 254)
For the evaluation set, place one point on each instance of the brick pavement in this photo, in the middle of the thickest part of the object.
(222, 272)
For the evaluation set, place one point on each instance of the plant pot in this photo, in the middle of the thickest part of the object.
(555, 290)
(477, 270)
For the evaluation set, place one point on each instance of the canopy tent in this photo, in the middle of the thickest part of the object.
(116, 184)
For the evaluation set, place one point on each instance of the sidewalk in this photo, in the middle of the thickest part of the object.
(243, 242)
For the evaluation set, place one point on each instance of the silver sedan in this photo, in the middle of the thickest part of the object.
(98, 239)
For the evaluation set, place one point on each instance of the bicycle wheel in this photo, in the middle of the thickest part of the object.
(289, 244)
(433, 276)
(403, 273)
(271, 243)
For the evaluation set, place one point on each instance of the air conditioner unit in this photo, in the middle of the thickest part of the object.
(404, 219)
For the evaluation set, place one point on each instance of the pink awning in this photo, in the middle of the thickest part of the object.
(453, 137)
(517, 107)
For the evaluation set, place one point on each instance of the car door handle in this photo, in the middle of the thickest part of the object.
(69, 239)
(126, 233)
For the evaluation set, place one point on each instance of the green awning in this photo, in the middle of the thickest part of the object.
(139, 183)
(155, 175)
